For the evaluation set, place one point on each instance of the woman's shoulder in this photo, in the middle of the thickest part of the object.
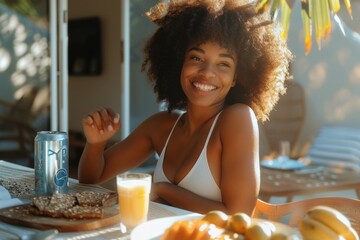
(162, 119)
(165, 116)
(237, 112)
(158, 127)
(236, 117)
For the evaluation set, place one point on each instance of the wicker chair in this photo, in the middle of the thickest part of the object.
(16, 130)
(292, 212)
(286, 120)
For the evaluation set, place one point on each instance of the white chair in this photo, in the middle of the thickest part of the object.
(337, 146)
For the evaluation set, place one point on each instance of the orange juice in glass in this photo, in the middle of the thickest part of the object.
(133, 193)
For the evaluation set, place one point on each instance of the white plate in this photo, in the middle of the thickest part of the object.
(287, 165)
(153, 229)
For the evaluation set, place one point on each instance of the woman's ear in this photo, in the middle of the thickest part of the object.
(233, 82)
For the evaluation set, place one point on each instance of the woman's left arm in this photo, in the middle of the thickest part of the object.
(240, 170)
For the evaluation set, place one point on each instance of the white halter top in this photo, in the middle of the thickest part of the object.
(199, 179)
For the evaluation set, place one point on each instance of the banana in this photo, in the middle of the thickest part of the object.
(311, 229)
(351, 234)
(333, 219)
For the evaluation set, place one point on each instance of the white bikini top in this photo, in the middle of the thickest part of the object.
(199, 179)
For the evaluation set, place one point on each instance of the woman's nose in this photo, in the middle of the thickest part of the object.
(208, 70)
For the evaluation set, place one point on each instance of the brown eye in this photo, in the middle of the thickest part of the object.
(224, 64)
(195, 58)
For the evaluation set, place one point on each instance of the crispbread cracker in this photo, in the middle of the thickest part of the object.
(88, 198)
(53, 206)
(41, 202)
(83, 212)
(83, 205)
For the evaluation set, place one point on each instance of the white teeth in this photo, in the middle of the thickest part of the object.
(203, 87)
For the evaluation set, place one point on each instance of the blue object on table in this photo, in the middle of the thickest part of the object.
(289, 164)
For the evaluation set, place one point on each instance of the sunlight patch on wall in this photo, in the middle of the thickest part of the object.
(302, 66)
(42, 100)
(20, 92)
(5, 59)
(39, 45)
(355, 75)
(20, 48)
(18, 79)
(317, 75)
(343, 56)
(24, 53)
(23, 62)
(8, 24)
(344, 104)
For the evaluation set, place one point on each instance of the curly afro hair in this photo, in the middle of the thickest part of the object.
(263, 56)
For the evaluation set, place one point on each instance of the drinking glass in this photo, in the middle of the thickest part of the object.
(284, 152)
(133, 193)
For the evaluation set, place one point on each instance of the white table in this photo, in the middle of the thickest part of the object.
(25, 175)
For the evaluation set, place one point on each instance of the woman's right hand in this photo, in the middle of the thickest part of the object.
(99, 126)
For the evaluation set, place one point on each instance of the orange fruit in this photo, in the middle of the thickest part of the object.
(279, 236)
(239, 222)
(258, 231)
(216, 217)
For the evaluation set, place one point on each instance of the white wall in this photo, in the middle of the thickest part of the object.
(87, 93)
(330, 77)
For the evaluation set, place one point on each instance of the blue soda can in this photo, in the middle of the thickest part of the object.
(51, 162)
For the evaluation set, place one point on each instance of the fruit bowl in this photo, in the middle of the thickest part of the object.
(154, 229)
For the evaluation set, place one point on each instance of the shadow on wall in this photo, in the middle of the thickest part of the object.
(24, 61)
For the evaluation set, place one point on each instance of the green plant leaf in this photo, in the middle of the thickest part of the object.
(348, 7)
(325, 17)
(305, 15)
(315, 16)
(262, 5)
(285, 18)
(334, 5)
(274, 8)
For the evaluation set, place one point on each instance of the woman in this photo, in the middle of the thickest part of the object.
(225, 66)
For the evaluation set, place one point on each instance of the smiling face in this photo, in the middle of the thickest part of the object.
(208, 73)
